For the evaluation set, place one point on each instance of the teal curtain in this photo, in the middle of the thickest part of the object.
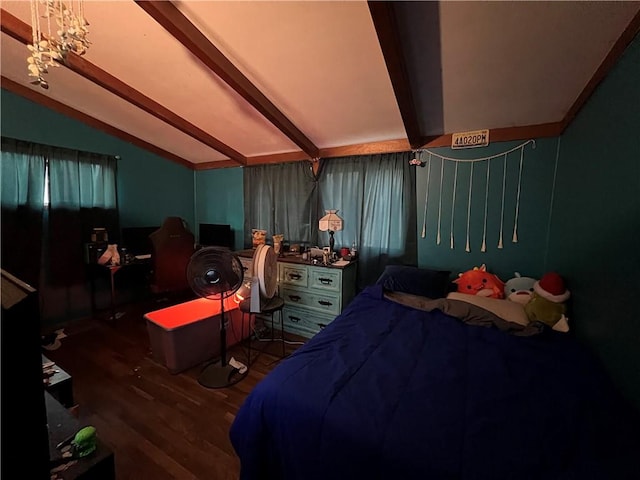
(375, 197)
(83, 196)
(45, 246)
(22, 171)
(23, 174)
(281, 199)
(82, 180)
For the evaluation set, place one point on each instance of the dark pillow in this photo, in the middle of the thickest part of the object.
(416, 281)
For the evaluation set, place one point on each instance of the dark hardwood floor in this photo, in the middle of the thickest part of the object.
(160, 426)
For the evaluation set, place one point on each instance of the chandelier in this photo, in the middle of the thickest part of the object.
(69, 34)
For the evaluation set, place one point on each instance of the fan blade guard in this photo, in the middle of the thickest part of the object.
(214, 272)
(265, 268)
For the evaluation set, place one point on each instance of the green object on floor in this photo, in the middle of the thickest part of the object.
(84, 443)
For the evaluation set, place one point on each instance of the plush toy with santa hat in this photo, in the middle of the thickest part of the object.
(548, 303)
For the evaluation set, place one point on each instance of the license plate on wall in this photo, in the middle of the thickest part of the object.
(477, 138)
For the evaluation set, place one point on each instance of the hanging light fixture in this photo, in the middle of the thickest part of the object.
(71, 30)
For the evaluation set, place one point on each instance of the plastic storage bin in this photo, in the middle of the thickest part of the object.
(186, 334)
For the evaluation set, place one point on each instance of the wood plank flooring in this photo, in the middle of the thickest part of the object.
(159, 425)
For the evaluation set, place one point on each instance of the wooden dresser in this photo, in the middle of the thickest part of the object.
(314, 295)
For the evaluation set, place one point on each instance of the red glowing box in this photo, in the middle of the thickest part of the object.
(185, 335)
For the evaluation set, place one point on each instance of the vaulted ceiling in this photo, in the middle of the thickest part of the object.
(213, 84)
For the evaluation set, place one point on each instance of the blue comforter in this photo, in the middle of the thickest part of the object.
(390, 392)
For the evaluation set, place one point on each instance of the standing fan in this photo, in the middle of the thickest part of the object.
(216, 273)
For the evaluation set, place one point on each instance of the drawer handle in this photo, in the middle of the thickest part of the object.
(294, 319)
(295, 276)
(295, 298)
(326, 281)
(325, 303)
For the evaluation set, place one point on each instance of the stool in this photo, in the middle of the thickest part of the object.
(269, 307)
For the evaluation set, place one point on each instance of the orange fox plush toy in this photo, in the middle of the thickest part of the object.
(480, 282)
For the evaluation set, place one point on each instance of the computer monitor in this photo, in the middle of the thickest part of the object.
(136, 239)
(215, 235)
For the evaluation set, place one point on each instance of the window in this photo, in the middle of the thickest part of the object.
(374, 195)
(45, 200)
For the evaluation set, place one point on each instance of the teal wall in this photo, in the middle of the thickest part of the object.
(528, 254)
(595, 228)
(219, 199)
(150, 187)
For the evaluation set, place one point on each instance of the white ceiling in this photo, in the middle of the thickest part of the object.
(325, 70)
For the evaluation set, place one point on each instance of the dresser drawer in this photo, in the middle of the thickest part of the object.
(328, 302)
(304, 322)
(325, 279)
(294, 275)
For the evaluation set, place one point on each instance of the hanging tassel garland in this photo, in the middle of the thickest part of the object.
(515, 222)
(453, 201)
(426, 200)
(440, 200)
(467, 247)
(504, 180)
(457, 161)
(483, 248)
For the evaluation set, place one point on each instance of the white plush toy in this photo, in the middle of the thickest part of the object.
(519, 289)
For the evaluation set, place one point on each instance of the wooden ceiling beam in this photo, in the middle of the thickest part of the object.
(214, 165)
(507, 134)
(15, 28)
(525, 132)
(20, 31)
(389, 146)
(63, 109)
(386, 25)
(178, 25)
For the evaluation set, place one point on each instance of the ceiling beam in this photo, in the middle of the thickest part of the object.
(178, 25)
(507, 134)
(386, 25)
(214, 165)
(63, 109)
(17, 29)
(388, 146)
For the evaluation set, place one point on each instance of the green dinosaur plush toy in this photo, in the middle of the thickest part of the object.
(548, 303)
(84, 443)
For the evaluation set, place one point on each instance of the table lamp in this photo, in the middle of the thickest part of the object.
(331, 222)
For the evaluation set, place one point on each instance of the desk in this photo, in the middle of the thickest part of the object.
(96, 270)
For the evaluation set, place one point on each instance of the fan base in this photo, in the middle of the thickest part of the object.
(216, 375)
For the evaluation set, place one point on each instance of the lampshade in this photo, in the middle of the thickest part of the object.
(331, 221)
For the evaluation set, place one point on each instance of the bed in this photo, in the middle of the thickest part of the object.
(395, 390)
